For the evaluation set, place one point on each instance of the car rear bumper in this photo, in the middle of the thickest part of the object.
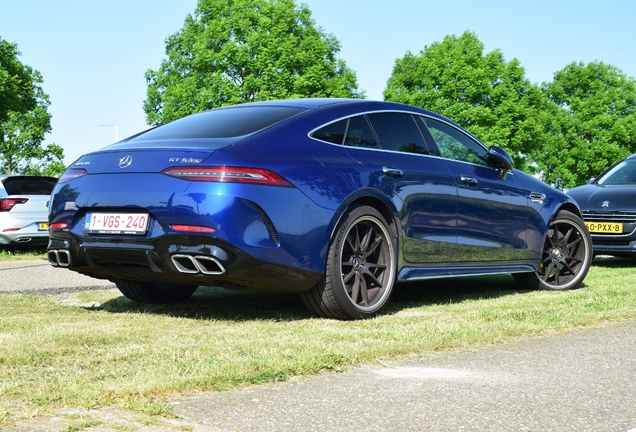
(176, 259)
(24, 238)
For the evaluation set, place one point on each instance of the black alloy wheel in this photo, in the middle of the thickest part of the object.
(360, 268)
(566, 256)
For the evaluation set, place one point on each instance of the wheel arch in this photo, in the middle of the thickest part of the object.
(568, 206)
(371, 198)
(549, 214)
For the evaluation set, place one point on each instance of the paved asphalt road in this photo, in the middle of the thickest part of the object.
(581, 381)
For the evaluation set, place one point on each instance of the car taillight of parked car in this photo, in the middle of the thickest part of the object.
(6, 204)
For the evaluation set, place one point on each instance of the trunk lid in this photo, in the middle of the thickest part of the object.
(127, 161)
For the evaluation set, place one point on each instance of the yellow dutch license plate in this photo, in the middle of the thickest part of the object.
(604, 227)
(43, 226)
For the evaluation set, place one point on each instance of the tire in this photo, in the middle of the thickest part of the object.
(155, 293)
(360, 268)
(565, 258)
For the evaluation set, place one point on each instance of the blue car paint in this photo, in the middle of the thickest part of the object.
(443, 227)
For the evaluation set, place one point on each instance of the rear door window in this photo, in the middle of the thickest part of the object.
(359, 133)
(398, 132)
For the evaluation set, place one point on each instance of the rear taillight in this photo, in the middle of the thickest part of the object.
(72, 174)
(58, 225)
(226, 174)
(7, 204)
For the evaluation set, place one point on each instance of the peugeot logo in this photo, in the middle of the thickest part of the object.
(125, 161)
(605, 204)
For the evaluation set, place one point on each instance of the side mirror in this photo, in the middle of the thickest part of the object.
(591, 180)
(500, 159)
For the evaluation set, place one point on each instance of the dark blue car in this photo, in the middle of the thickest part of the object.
(334, 199)
(608, 203)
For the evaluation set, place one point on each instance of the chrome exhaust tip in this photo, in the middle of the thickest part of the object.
(184, 264)
(197, 264)
(209, 265)
(59, 258)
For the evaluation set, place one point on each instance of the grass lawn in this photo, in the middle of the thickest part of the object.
(108, 351)
(17, 254)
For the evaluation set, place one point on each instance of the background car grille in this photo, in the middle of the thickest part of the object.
(613, 244)
(618, 216)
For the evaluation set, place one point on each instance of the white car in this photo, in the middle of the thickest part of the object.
(24, 209)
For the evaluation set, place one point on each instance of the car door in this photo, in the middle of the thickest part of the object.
(420, 185)
(492, 214)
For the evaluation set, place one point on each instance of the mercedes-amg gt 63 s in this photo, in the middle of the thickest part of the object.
(333, 199)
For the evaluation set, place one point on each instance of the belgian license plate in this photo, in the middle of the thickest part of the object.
(604, 227)
(116, 223)
(43, 226)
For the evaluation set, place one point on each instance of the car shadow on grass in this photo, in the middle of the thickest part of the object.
(221, 304)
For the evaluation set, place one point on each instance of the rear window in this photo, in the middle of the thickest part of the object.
(220, 123)
(29, 185)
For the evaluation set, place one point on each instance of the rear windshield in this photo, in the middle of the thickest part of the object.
(29, 185)
(220, 123)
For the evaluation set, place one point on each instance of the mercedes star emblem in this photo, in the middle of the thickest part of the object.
(125, 161)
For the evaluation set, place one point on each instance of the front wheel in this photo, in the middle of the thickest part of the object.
(566, 256)
(360, 268)
(155, 293)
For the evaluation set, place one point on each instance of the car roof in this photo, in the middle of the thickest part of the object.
(316, 103)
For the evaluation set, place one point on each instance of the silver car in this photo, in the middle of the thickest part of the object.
(24, 211)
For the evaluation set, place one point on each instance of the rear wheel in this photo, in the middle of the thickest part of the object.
(155, 293)
(360, 268)
(566, 256)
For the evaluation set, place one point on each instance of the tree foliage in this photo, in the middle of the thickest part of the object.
(16, 83)
(592, 122)
(234, 51)
(488, 96)
(25, 123)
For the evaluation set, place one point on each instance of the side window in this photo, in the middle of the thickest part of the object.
(359, 133)
(333, 133)
(398, 132)
(453, 144)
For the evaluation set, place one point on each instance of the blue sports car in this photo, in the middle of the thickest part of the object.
(334, 199)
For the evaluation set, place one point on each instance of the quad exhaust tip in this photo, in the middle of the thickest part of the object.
(59, 258)
(198, 264)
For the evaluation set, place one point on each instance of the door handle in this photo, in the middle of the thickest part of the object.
(537, 197)
(392, 171)
(469, 181)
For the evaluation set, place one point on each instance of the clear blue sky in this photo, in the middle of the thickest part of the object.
(93, 55)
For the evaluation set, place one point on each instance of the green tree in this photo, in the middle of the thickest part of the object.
(592, 123)
(16, 84)
(24, 125)
(234, 51)
(488, 96)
